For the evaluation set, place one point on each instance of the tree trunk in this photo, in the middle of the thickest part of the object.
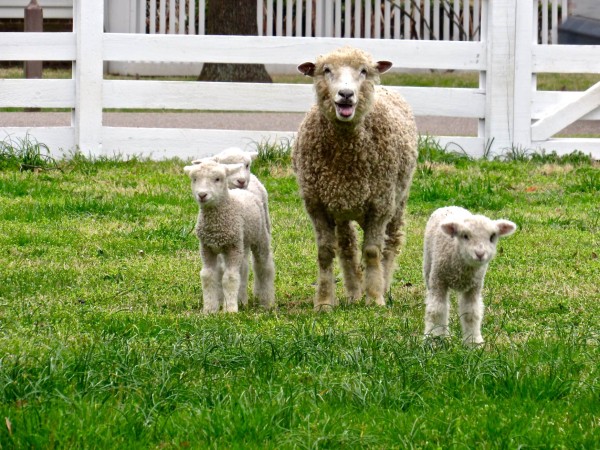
(233, 17)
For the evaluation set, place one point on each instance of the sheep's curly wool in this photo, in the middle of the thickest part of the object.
(359, 170)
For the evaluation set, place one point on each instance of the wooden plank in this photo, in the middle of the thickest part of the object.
(284, 50)
(471, 146)
(566, 114)
(60, 140)
(37, 46)
(566, 58)
(184, 143)
(544, 102)
(22, 93)
(209, 96)
(567, 146)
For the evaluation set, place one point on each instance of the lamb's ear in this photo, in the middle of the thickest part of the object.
(232, 168)
(199, 161)
(188, 169)
(252, 155)
(307, 69)
(384, 66)
(451, 228)
(505, 227)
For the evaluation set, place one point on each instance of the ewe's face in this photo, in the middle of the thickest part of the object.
(477, 238)
(345, 83)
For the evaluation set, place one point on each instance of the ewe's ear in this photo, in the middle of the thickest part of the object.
(450, 228)
(232, 168)
(505, 227)
(384, 66)
(307, 69)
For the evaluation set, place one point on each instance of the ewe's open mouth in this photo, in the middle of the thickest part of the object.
(344, 110)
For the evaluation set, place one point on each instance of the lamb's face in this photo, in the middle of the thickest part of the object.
(477, 237)
(345, 82)
(209, 182)
(238, 179)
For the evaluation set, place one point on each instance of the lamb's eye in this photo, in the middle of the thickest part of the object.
(247, 166)
(465, 237)
(493, 237)
(217, 180)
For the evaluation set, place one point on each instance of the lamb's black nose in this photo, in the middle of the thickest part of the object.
(346, 94)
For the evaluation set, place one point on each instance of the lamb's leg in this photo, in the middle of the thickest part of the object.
(243, 290)
(470, 309)
(325, 234)
(211, 281)
(372, 255)
(437, 306)
(349, 260)
(264, 276)
(231, 279)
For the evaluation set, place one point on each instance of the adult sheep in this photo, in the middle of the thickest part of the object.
(354, 158)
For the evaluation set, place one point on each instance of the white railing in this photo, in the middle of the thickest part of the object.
(506, 103)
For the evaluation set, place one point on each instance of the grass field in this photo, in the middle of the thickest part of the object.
(103, 343)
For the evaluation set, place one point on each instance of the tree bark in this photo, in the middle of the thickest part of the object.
(233, 17)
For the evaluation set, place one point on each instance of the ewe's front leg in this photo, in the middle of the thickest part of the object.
(210, 275)
(470, 309)
(231, 279)
(437, 306)
(393, 241)
(325, 234)
(349, 260)
(373, 246)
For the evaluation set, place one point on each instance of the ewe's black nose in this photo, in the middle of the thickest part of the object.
(346, 94)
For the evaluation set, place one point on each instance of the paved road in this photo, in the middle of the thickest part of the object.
(434, 126)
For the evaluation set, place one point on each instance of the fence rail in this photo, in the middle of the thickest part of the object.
(510, 110)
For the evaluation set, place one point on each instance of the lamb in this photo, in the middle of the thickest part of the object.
(458, 247)
(231, 223)
(354, 157)
(243, 178)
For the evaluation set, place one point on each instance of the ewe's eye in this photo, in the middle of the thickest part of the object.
(217, 180)
(326, 70)
(363, 72)
(465, 237)
(493, 237)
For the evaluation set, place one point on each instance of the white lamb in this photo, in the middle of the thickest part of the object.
(242, 178)
(231, 223)
(457, 249)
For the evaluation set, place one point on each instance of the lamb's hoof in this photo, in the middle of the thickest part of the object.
(473, 343)
(324, 307)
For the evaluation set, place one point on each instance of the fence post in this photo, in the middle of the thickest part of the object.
(525, 79)
(88, 22)
(499, 79)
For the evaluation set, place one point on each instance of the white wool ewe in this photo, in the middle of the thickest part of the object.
(242, 178)
(457, 250)
(231, 224)
(354, 157)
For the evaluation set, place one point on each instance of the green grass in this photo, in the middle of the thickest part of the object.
(103, 343)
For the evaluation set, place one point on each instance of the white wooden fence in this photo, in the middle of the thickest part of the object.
(510, 110)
